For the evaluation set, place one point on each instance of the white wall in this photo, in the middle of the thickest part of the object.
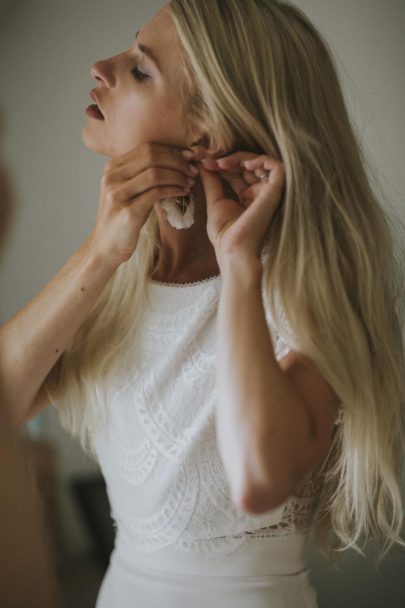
(46, 49)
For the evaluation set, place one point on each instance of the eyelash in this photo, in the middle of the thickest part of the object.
(138, 75)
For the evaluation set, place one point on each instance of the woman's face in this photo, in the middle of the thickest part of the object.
(138, 98)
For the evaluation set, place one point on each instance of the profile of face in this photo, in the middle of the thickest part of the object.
(137, 96)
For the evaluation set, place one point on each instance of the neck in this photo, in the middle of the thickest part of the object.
(188, 254)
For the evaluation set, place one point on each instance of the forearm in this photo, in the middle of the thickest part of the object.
(35, 337)
(257, 413)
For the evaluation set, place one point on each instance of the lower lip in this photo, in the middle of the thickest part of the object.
(94, 112)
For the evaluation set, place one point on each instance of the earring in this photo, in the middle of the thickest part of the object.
(179, 211)
(183, 202)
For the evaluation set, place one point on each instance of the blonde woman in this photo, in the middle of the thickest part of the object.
(227, 341)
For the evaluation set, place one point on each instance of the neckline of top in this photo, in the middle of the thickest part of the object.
(191, 284)
(214, 279)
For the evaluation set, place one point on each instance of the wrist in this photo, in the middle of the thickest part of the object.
(98, 258)
(247, 271)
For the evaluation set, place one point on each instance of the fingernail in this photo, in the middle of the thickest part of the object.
(187, 153)
(201, 150)
(193, 169)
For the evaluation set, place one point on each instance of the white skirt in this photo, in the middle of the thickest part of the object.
(270, 573)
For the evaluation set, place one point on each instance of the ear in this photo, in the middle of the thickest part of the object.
(204, 140)
(207, 141)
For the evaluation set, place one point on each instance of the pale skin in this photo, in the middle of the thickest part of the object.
(274, 419)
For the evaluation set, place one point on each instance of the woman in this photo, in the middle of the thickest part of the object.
(225, 357)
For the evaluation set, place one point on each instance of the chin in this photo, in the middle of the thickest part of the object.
(93, 145)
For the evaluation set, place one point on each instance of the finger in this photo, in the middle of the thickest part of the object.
(137, 165)
(229, 161)
(235, 164)
(268, 199)
(201, 152)
(259, 173)
(236, 158)
(249, 194)
(241, 176)
(213, 188)
(149, 154)
(236, 181)
(261, 162)
(232, 165)
(154, 195)
(246, 178)
(153, 178)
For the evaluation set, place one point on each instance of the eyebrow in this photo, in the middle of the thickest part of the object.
(149, 53)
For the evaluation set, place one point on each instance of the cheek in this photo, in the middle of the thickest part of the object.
(146, 119)
(135, 118)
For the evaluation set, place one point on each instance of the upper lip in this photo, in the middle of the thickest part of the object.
(95, 98)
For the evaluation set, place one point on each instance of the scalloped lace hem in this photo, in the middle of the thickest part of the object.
(184, 284)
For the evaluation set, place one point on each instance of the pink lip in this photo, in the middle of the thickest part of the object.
(94, 111)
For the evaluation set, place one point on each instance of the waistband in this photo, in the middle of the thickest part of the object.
(268, 556)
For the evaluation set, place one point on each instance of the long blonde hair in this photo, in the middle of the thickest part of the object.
(259, 76)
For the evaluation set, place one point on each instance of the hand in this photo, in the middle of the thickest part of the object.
(130, 187)
(241, 227)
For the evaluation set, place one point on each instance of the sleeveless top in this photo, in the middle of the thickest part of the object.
(167, 487)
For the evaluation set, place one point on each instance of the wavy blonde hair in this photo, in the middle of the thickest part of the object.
(259, 76)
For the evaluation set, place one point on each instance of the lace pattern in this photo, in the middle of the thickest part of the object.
(158, 452)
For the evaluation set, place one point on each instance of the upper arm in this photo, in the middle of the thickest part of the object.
(320, 401)
(321, 405)
(42, 400)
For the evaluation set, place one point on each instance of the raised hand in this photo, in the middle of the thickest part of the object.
(241, 226)
(130, 187)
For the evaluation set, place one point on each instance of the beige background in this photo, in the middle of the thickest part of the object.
(46, 50)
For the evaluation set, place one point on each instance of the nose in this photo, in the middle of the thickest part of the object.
(99, 71)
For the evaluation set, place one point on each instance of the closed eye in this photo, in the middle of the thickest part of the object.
(138, 75)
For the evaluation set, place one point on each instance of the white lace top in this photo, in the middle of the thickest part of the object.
(165, 479)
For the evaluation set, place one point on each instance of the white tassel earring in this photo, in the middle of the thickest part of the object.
(179, 211)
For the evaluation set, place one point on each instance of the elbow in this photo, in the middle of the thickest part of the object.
(261, 499)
